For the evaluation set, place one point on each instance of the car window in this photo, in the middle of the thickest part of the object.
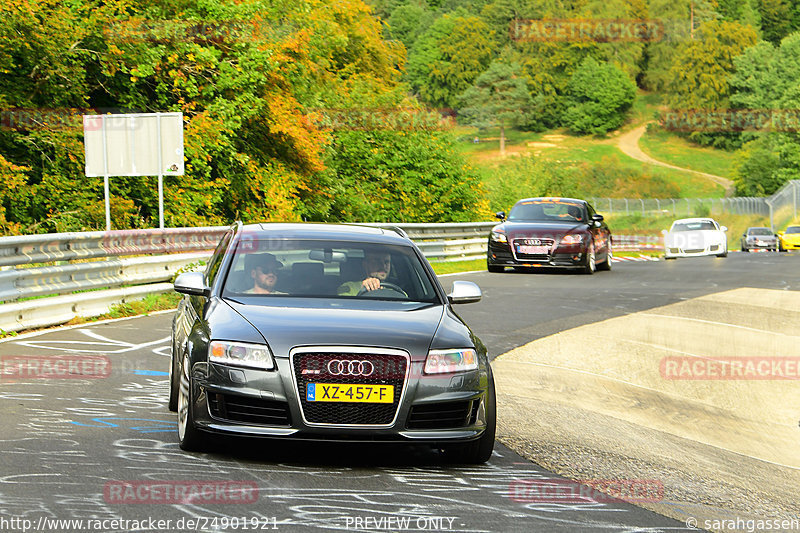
(547, 211)
(327, 269)
(793, 229)
(216, 259)
(760, 231)
(694, 226)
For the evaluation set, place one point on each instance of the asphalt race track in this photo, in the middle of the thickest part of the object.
(73, 448)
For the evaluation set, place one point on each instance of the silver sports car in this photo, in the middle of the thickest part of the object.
(328, 332)
(690, 237)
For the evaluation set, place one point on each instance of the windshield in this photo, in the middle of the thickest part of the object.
(693, 226)
(547, 211)
(327, 269)
(759, 231)
(793, 229)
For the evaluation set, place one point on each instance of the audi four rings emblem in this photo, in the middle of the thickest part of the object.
(339, 367)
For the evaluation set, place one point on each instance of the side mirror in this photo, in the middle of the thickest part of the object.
(464, 292)
(501, 215)
(724, 228)
(664, 232)
(598, 218)
(191, 283)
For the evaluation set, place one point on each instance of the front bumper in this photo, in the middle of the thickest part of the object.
(236, 401)
(790, 245)
(714, 249)
(571, 256)
(761, 245)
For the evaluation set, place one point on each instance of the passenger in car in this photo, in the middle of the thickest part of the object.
(263, 269)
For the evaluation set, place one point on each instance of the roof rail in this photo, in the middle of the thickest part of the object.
(397, 229)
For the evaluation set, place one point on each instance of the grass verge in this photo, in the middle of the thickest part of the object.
(453, 267)
(148, 304)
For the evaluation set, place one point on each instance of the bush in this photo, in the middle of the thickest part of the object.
(599, 96)
(398, 176)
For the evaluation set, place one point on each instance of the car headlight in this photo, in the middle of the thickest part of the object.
(240, 354)
(499, 236)
(572, 239)
(456, 360)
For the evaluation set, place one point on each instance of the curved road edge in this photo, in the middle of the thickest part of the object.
(597, 402)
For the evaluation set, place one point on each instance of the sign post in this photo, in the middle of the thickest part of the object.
(137, 144)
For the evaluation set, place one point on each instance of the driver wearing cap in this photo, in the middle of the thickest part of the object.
(263, 270)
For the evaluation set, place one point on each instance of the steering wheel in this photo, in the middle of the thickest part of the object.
(384, 285)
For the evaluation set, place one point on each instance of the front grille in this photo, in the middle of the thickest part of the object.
(249, 410)
(548, 243)
(444, 415)
(694, 250)
(389, 369)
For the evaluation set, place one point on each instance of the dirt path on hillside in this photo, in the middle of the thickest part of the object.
(628, 143)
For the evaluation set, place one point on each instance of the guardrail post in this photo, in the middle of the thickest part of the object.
(642, 200)
(673, 207)
(626, 207)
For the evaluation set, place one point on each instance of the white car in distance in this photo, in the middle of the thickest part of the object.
(690, 237)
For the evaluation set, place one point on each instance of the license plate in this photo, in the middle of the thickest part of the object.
(532, 250)
(340, 392)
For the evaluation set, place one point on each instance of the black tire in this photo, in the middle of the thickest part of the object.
(174, 381)
(494, 268)
(479, 451)
(189, 437)
(606, 265)
(590, 266)
(724, 254)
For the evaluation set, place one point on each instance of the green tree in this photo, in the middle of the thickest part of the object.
(765, 79)
(448, 57)
(776, 19)
(407, 22)
(599, 96)
(499, 97)
(701, 71)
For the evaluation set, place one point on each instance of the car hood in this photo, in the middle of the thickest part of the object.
(285, 327)
(540, 230)
(694, 239)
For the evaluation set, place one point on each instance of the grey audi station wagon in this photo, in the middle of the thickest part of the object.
(328, 333)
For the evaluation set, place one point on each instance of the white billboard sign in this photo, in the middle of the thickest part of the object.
(136, 144)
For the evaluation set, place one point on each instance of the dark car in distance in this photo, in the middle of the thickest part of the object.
(550, 232)
(328, 333)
